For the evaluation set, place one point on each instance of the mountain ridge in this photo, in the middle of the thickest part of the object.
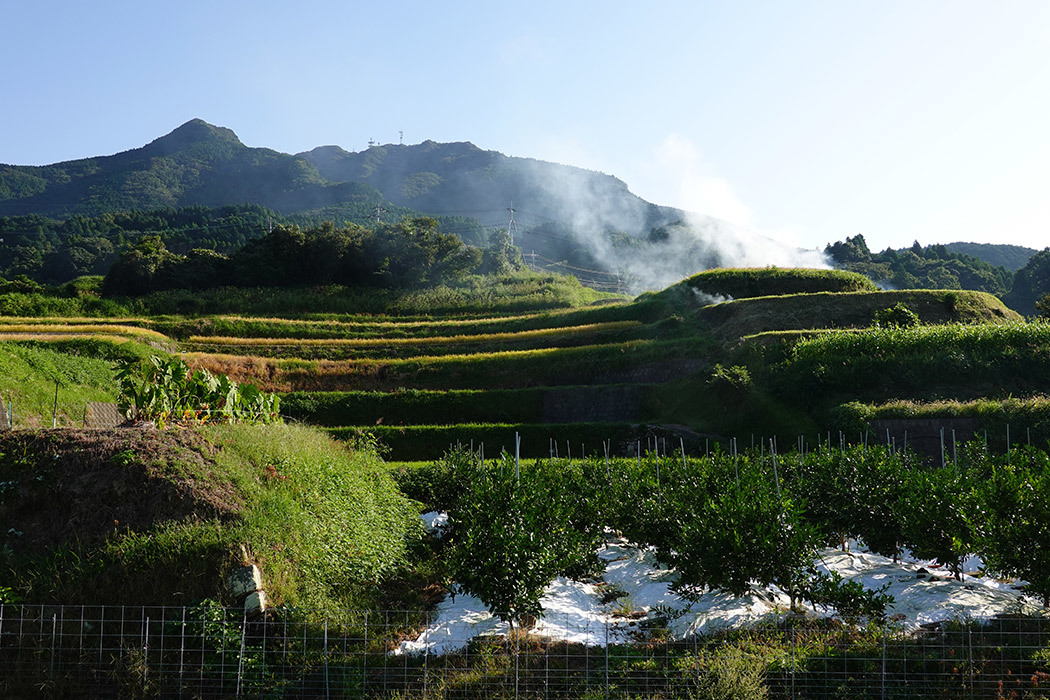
(564, 218)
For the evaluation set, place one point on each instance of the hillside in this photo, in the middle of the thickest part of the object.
(565, 219)
(196, 164)
(1012, 257)
(163, 516)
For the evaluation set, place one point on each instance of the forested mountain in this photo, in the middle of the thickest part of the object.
(589, 223)
(197, 164)
(1012, 257)
(920, 267)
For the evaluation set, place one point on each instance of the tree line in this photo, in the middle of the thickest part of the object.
(410, 253)
(937, 267)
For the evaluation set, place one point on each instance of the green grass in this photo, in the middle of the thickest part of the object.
(609, 363)
(28, 377)
(1027, 418)
(512, 293)
(146, 517)
(350, 527)
(739, 283)
(946, 361)
(733, 320)
(390, 347)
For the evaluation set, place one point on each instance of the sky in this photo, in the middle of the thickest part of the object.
(806, 121)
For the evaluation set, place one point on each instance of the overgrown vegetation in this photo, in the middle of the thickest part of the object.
(152, 517)
(768, 281)
(918, 361)
(164, 390)
(45, 382)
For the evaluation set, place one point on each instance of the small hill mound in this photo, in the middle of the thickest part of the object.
(744, 317)
(743, 283)
(104, 482)
(139, 516)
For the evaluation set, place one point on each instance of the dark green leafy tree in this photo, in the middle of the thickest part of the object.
(1031, 283)
(141, 269)
(940, 506)
(741, 533)
(898, 315)
(500, 256)
(1043, 306)
(510, 535)
(1014, 532)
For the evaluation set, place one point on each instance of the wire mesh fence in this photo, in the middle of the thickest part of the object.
(207, 651)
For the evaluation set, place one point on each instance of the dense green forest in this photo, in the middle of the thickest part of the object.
(55, 251)
(944, 267)
(408, 254)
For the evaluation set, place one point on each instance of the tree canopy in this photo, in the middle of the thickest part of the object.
(410, 253)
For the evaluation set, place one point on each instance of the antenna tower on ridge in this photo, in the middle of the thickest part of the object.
(402, 134)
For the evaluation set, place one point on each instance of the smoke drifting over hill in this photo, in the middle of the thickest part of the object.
(650, 246)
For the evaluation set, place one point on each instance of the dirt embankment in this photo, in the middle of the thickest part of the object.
(61, 487)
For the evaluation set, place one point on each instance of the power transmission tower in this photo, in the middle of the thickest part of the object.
(402, 134)
(511, 227)
(379, 212)
(371, 142)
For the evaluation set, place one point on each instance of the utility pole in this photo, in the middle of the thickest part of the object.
(511, 227)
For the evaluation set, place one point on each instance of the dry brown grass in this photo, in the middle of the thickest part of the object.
(561, 332)
(76, 330)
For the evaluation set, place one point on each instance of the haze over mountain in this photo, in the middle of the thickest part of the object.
(562, 213)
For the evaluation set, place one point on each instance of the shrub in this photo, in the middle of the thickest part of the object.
(512, 532)
(897, 315)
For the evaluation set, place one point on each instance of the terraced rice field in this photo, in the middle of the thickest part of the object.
(418, 383)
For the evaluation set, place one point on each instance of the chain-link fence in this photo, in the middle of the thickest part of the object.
(96, 414)
(211, 652)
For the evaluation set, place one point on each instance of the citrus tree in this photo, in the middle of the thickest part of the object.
(512, 532)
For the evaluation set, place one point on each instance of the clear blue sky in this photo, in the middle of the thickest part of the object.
(806, 121)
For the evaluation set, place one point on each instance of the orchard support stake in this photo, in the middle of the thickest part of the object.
(955, 452)
(1007, 443)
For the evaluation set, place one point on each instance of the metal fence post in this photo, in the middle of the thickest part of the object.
(606, 660)
(883, 663)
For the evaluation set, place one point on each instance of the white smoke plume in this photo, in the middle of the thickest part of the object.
(649, 246)
(705, 299)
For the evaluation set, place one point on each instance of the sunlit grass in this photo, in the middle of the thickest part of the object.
(429, 340)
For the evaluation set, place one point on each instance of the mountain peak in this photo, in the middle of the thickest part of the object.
(193, 132)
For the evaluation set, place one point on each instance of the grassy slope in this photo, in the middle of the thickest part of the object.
(391, 347)
(736, 319)
(739, 283)
(510, 369)
(28, 377)
(136, 516)
(1028, 419)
